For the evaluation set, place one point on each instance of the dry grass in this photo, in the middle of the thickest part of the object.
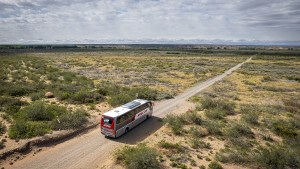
(262, 132)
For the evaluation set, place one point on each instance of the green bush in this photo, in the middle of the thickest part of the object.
(239, 130)
(284, 128)
(10, 105)
(21, 129)
(215, 113)
(213, 127)
(177, 148)
(226, 106)
(232, 156)
(198, 132)
(207, 103)
(241, 143)
(40, 111)
(175, 122)
(84, 96)
(139, 157)
(63, 95)
(2, 144)
(120, 99)
(292, 105)
(195, 143)
(2, 128)
(18, 90)
(145, 93)
(214, 165)
(73, 120)
(251, 118)
(279, 157)
(37, 96)
(191, 117)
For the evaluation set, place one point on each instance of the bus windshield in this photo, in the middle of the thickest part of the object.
(107, 121)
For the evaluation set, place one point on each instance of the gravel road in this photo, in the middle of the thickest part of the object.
(92, 150)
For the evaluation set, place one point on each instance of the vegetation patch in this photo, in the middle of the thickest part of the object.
(40, 118)
(174, 147)
(138, 157)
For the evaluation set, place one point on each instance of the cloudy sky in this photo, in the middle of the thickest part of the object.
(83, 21)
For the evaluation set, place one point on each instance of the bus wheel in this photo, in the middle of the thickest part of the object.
(147, 117)
(126, 130)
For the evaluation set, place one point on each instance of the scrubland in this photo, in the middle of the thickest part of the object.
(250, 119)
(83, 85)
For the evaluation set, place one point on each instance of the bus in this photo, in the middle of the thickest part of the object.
(120, 120)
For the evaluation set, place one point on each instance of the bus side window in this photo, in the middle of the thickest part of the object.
(121, 119)
(131, 113)
(137, 110)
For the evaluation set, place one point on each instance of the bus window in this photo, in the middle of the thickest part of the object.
(107, 121)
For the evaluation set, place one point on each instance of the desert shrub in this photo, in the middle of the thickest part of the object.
(292, 105)
(215, 113)
(198, 132)
(251, 118)
(73, 120)
(36, 96)
(294, 77)
(107, 88)
(164, 95)
(19, 90)
(62, 95)
(213, 127)
(239, 130)
(255, 108)
(214, 165)
(2, 145)
(232, 156)
(226, 106)
(207, 103)
(175, 147)
(284, 128)
(191, 117)
(21, 129)
(279, 157)
(119, 99)
(175, 122)
(241, 143)
(68, 76)
(10, 105)
(84, 96)
(202, 166)
(195, 143)
(40, 111)
(139, 157)
(2, 128)
(119, 94)
(145, 93)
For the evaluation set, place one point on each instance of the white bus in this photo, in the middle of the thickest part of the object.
(120, 120)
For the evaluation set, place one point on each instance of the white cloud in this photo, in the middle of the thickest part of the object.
(79, 20)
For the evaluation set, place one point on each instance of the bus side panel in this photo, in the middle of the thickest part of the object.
(121, 131)
(131, 125)
(143, 117)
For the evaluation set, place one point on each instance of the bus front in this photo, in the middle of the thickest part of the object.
(108, 126)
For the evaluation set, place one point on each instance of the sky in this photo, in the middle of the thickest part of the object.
(110, 21)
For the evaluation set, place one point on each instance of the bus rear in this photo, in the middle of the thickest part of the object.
(108, 126)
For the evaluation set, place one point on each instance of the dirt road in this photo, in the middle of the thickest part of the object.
(91, 150)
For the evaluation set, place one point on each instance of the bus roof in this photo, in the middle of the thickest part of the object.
(125, 108)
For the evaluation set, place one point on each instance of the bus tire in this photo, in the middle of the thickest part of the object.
(127, 130)
(147, 117)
